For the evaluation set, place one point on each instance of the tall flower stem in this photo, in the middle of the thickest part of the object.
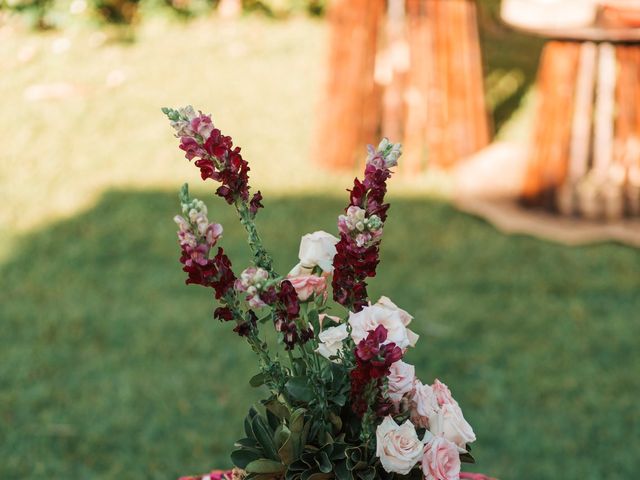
(260, 256)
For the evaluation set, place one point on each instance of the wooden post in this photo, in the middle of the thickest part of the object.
(446, 115)
(350, 112)
(436, 108)
(547, 167)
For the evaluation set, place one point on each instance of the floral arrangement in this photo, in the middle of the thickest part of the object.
(341, 401)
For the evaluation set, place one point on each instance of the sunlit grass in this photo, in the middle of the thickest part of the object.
(258, 78)
(79, 114)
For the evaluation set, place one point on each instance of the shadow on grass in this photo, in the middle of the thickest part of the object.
(112, 368)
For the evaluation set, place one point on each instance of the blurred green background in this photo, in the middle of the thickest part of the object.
(110, 367)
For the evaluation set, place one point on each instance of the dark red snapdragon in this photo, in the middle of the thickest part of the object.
(373, 360)
(215, 272)
(357, 252)
(244, 328)
(286, 306)
(354, 263)
(214, 155)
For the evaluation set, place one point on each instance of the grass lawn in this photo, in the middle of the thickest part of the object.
(111, 368)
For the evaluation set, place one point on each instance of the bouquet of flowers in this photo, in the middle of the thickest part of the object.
(341, 402)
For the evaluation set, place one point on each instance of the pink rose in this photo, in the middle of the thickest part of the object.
(441, 460)
(308, 285)
(442, 392)
(384, 312)
(398, 446)
(449, 422)
(424, 404)
(401, 379)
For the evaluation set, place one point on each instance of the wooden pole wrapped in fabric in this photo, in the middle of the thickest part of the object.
(435, 105)
(420, 39)
(446, 115)
(350, 114)
(392, 67)
(547, 167)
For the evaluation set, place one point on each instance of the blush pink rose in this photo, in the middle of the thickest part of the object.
(441, 460)
(442, 393)
(384, 312)
(401, 379)
(424, 404)
(308, 285)
(449, 422)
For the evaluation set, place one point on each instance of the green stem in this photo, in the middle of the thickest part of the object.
(260, 256)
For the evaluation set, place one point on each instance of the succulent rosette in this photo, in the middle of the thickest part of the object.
(341, 402)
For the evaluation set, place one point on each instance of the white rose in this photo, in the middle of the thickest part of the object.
(424, 404)
(401, 378)
(330, 340)
(316, 249)
(398, 447)
(385, 313)
(449, 423)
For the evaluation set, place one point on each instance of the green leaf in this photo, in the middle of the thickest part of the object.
(341, 471)
(336, 421)
(304, 436)
(257, 380)
(248, 431)
(324, 464)
(262, 476)
(339, 399)
(246, 443)
(299, 367)
(320, 476)
(314, 320)
(296, 422)
(263, 436)
(241, 458)
(467, 458)
(278, 409)
(367, 474)
(281, 436)
(287, 452)
(265, 466)
(273, 420)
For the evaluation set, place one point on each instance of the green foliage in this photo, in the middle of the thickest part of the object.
(35, 10)
(285, 8)
(117, 12)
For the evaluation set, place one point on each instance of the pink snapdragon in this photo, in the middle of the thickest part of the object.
(196, 235)
(385, 156)
(253, 281)
(362, 229)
